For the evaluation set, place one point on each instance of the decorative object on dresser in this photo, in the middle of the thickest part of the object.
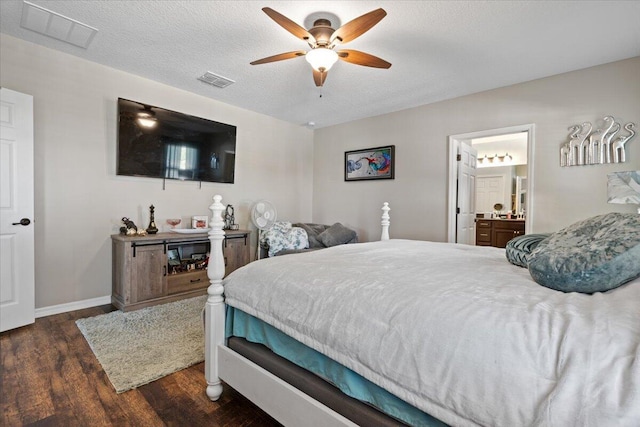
(370, 163)
(152, 229)
(497, 232)
(173, 222)
(200, 222)
(598, 147)
(129, 228)
(624, 188)
(230, 219)
(141, 346)
(168, 266)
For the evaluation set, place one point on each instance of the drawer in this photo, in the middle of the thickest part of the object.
(517, 226)
(483, 224)
(483, 235)
(187, 281)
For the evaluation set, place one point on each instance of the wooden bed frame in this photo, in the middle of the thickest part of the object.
(285, 403)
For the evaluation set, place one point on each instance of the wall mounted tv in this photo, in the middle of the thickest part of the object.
(158, 143)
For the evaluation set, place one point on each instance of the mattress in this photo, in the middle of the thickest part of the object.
(242, 325)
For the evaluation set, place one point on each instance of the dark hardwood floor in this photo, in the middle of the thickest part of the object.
(50, 377)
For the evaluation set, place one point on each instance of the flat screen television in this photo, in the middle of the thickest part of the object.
(158, 143)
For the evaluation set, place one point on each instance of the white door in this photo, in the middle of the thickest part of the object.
(17, 295)
(489, 191)
(466, 210)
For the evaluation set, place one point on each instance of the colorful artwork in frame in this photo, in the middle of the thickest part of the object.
(371, 163)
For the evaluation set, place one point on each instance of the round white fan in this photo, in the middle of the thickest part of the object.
(263, 216)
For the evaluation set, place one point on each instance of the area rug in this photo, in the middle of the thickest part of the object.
(141, 346)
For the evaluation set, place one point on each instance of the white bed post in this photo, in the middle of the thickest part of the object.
(385, 221)
(214, 308)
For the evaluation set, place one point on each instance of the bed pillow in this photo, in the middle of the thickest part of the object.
(282, 236)
(337, 234)
(593, 255)
(519, 248)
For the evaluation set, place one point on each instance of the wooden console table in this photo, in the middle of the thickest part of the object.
(165, 267)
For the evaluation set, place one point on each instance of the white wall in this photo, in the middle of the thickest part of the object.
(418, 195)
(79, 200)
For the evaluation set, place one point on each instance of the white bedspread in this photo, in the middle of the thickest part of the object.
(457, 331)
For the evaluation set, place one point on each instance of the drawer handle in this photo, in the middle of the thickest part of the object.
(195, 280)
(483, 234)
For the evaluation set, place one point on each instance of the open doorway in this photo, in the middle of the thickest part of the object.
(500, 167)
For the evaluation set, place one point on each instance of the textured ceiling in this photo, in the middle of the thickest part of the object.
(439, 49)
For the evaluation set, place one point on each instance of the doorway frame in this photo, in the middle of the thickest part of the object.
(452, 196)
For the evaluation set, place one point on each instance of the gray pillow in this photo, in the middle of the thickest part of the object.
(313, 231)
(593, 255)
(519, 248)
(337, 234)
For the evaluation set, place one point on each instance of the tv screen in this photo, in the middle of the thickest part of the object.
(158, 143)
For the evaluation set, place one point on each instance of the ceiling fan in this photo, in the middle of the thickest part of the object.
(323, 39)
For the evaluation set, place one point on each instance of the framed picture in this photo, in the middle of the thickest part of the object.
(371, 163)
(199, 221)
(173, 254)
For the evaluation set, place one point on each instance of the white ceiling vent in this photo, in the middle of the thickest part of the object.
(37, 18)
(215, 80)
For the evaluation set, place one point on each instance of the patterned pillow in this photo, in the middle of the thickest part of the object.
(593, 255)
(519, 249)
(283, 236)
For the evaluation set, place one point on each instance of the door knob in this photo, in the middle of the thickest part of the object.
(23, 221)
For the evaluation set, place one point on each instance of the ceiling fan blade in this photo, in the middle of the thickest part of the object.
(357, 27)
(279, 57)
(361, 58)
(289, 25)
(319, 77)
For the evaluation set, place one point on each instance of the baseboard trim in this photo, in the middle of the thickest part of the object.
(71, 306)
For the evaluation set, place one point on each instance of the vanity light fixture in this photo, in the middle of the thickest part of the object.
(495, 159)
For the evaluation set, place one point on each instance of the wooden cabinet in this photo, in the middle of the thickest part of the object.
(236, 250)
(497, 232)
(166, 267)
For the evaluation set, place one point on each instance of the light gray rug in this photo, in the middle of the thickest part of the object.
(138, 347)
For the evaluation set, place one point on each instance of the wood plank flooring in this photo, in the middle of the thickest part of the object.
(50, 377)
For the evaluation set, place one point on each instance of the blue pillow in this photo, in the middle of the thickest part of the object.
(593, 255)
(519, 248)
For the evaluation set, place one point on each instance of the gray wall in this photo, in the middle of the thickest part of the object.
(79, 200)
(418, 195)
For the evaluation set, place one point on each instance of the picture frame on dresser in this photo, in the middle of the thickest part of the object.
(370, 163)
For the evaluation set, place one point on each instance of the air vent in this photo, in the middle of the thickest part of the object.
(37, 18)
(215, 80)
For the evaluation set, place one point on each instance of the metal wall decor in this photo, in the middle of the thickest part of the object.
(598, 147)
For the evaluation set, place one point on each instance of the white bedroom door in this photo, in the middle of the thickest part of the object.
(466, 210)
(17, 278)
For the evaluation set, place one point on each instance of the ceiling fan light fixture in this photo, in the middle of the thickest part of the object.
(321, 58)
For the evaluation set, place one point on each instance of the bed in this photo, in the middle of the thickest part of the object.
(455, 332)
